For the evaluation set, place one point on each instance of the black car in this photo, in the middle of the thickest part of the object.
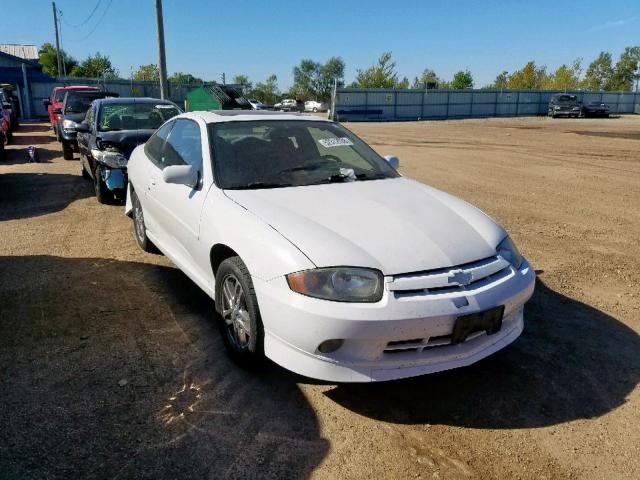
(564, 104)
(112, 128)
(73, 111)
(595, 109)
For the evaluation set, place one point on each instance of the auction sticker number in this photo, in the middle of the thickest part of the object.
(335, 142)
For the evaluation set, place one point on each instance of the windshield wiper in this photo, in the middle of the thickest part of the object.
(259, 185)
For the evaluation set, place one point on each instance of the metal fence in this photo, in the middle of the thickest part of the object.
(41, 90)
(384, 105)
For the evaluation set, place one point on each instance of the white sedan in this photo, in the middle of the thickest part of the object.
(319, 254)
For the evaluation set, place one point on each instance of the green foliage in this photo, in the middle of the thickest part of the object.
(267, 92)
(380, 75)
(599, 73)
(501, 81)
(49, 60)
(625, 71)
(314, 80)
(243, 80)
(564, 78)
(462, 79)
(528, 77)
(184, 78)
(403, 84)
(428, 79)
(147, 72)
(95, 66)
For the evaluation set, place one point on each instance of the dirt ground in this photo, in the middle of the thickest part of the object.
(111, 366)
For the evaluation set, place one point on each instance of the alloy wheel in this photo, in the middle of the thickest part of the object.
(235, 313)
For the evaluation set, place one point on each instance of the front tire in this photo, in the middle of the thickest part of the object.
(103, 194)
(239, 315)
(67, 151)
(138, 225)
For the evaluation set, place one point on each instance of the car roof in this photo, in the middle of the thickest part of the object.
(76, 87)
(218, 116)
(134, 100)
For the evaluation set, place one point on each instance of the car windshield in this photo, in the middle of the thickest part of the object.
(135, 116)
(79, 102)
(285, 153)
(567, 98)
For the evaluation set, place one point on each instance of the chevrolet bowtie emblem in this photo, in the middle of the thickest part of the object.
(460, 277)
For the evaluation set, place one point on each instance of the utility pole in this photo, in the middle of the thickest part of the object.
(224, 81)
(162, 61)
(55, 25)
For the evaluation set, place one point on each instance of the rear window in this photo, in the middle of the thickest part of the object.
(567, 98)
(78, 102)
(135, 116)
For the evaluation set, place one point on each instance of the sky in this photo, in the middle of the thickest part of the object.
(259, 38)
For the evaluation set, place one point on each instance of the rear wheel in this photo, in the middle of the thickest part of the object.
(103, 194)
(239, 315)
(67, 151)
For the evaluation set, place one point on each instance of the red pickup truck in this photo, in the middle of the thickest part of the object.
(55, 101)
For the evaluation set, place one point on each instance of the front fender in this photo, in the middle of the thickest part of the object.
(266, 253)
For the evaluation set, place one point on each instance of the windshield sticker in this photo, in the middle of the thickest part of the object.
(335, 142)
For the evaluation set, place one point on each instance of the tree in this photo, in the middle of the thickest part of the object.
(380, 75)
(49, 60)
(147, 72)
(268, 91)
(428, 79)
(462, 79)
(564, 78)
(599, 73)
(314, 80)
(402, 84)
(527, 78)
(244, 82)
(95, 66)
(182, 78)
(501, 81)
(624, 73)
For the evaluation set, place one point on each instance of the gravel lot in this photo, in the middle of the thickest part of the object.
(111, 366)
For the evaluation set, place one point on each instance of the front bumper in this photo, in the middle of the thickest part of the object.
(296, 325)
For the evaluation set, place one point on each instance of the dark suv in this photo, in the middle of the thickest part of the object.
(73, 110)
(112, 128)
(564, 104)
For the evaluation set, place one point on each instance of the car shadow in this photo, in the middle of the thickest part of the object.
(39, 127)
(572, 362)
(25, 195)
(115, 369)
(30, 139)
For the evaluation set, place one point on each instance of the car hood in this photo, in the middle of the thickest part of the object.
(396, 225)
(76, 117)
(126, 140)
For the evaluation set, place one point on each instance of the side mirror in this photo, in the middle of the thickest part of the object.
(57, 111)
(182, 175)
(393, 161)
(83, 128)
(46, 102)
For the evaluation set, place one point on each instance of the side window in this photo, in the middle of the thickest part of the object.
(89, 116)
(183, 146)
(154, 146)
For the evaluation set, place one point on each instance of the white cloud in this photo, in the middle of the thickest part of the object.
(613, 24)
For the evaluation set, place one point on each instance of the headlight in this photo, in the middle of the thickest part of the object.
(340, 284)
(576, 108)
(69, 124)
(556, 107)
(111, 158)
(507, 250)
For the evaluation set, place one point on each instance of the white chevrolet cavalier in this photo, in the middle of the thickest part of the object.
(318, 254)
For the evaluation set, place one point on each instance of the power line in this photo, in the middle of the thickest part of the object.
(86, 19)
(96, 25)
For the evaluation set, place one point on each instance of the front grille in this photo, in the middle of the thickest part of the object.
(456, 280)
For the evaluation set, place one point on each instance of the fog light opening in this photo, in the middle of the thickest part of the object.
(329, 346)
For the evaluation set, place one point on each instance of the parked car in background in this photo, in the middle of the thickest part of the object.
(564, 104)
(9, 104)
(315, 106)
(290, 105)
(73, 111)
(55, 101)
(112, 128)
(5, 125)
(341, 295)
(257, 104)
(595, 109)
